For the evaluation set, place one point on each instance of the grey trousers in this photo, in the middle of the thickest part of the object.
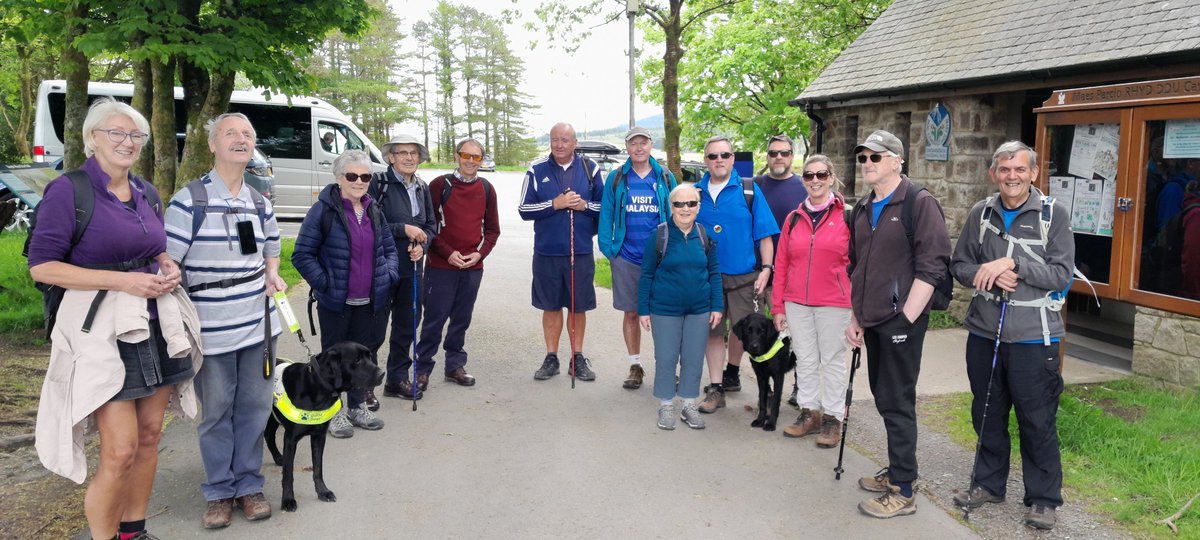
(235, 400)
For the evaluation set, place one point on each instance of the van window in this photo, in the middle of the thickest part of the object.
(337, 138)
(57, 102)
(283, 132)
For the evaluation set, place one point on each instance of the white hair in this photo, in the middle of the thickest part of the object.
(348, 158)
(100, 112)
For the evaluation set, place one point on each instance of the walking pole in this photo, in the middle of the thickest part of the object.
(855, 361)
(571, 318)
(987, 398)
(415, 389)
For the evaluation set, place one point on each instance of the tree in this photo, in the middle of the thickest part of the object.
(27, 56)
(745, 64)
(674, 17)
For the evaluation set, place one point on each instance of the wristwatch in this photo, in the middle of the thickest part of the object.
(771, 266)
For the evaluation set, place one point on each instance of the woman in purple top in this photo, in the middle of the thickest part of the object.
(125, 231)
(347, 254)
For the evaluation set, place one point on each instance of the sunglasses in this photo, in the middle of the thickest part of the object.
(688, 204)
(722, 155)
(808, 176)
(354, 177)
(875, 158)
(777, 153)
(471, 157)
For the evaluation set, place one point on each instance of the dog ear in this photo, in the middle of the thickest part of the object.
(331, 362)
(739, 328)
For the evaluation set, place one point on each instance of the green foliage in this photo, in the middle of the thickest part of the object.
(603, 275)
(20, 302)
(743, 65)
(939, 320)
(286, 270)
(1128, 450)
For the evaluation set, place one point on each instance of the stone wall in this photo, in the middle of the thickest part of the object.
(979, 124)
(1167, 346)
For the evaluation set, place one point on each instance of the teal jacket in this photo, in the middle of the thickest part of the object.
(685, 281)
(611, 230)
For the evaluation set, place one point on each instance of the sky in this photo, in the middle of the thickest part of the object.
(589, 88)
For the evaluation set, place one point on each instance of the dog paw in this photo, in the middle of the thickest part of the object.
(757, 422)
(768, 426)
(328, 496)
(288, 505)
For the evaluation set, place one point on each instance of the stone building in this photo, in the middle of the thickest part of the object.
(956, 78)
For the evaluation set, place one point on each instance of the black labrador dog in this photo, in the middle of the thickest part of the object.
(312, 388)
(758, 336)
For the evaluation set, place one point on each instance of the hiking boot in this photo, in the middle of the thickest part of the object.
(218, 514)
(732, 382)
(889, 505)
(402, 390)
(792, 400)
(340, 426)
(362, 417)
(143, 535)
(254, 506)
(633, 381)
(714, 398)
(1041, 516)
(809, 421)
(370, 400)
(880, 483)
(549, 368)
(979, 496)
(691, 416)
(583, 372)
(831, 432)
(666, 416)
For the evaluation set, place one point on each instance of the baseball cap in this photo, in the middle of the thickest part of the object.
(881, 141)
(638, 132)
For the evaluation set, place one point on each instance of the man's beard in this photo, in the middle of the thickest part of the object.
(780, 171)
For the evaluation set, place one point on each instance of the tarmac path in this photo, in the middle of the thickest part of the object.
(517, 458)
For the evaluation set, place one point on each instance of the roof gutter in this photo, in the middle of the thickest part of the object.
(818, 125)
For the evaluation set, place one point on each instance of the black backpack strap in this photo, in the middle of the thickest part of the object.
(748, 191)
(793, 217)
(199, 203)
(85, 203)
(704, 241)
(906, 209)
(660, 240)
(327, 221)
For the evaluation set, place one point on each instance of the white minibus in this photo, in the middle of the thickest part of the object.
(301, 136)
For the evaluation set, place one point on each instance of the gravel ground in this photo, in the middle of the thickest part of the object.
(945, 467)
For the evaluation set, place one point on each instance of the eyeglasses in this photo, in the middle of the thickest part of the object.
(681, 204)
(471, 157)
(875, 158)
(405, 153)
(722, 155)
(808, 176)
(777, 153)
(117, 136)
(353, 177)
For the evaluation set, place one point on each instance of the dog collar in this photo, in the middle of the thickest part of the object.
(289, 409)
(771, 353)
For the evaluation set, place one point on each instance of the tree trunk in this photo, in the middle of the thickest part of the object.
(197, 159)
(162, 124)
(75, 67)
(670, 83)
(143, 97)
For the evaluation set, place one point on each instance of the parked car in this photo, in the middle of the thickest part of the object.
(603, 153)
(692, 171)
(488, 164)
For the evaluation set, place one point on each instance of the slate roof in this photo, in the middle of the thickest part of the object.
(918, 45)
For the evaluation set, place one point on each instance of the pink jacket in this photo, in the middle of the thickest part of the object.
(810, 267)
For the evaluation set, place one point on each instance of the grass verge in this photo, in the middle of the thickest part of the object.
(1130, 449)
(603, 273)
(20, 302)
(286, 270)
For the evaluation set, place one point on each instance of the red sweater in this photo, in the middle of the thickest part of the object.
(810, 267)
(468, 223)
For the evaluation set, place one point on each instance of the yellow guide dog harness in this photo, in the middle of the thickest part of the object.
(770, 353)
(289, 409)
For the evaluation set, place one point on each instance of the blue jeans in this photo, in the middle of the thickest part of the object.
(678, 342)
(236, 400)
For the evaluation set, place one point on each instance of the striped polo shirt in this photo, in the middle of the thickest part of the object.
(231, 318)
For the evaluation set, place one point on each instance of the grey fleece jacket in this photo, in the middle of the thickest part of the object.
(1034, 278)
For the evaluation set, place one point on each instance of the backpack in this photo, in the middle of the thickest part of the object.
(943, 292)
(662, 236)
(448, 189)
(200, 205)
(85, 204)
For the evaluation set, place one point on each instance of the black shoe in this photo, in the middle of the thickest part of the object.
(582, 371)
(403, 390)
(549, 368)
(1040, 516)
(978, 496)
(370, 400)
(731, 382)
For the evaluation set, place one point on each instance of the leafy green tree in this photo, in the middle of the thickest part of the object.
(27, 56)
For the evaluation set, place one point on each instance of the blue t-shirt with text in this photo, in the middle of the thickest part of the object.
(641, 215)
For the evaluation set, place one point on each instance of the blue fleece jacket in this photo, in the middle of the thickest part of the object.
(324, 261)
(546, 180)
(686, 281)
(611, 234)
(731, 224)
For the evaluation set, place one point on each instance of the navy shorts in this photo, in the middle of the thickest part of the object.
(551, 283)
(148, 366)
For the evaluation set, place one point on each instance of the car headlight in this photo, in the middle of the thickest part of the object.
(261, 171)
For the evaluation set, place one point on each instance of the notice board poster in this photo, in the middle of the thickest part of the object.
(1062, 188)
(1087, 206)
(1094, 151)
(1181, 139)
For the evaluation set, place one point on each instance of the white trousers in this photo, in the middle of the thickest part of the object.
(818, 340)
